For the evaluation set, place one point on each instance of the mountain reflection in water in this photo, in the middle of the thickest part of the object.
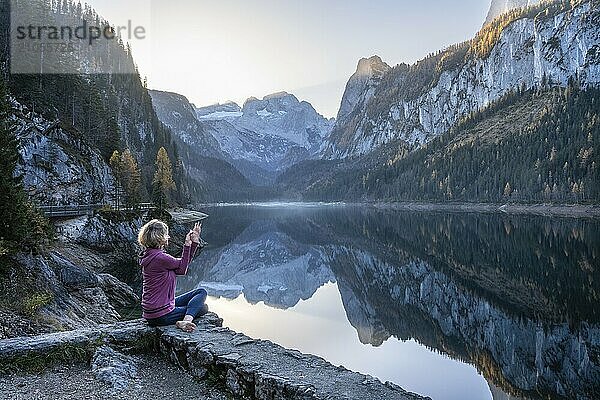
(438, 297)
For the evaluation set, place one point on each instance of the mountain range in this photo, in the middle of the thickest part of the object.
(448, 127)
(444, 128)
(416, 103)
(261, 139)
(390, 116)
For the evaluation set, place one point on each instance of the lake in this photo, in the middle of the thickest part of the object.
(447, 305)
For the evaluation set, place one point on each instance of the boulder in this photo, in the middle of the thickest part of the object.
(72, 276)
(113, 368)
(120, 294)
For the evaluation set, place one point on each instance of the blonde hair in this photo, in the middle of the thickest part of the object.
(154, 235)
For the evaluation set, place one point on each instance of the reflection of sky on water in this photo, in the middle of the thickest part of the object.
(320, 326)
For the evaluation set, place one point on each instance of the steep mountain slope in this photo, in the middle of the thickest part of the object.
(108, 111)
(176, 112)
(283, 115)
(57, 166)
(554, 42)
(499, 7)
(359, 91)
(253, 154)
(361, 86)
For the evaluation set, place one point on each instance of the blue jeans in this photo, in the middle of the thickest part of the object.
(190, 303)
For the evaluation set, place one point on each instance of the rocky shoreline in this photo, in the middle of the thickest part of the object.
(554, 210)
(245, 368)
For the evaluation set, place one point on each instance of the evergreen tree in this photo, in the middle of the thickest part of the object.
(507, 190)
(163, 183)
(21, 226)
(12, 196)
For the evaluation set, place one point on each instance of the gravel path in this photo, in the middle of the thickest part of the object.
(157, 379)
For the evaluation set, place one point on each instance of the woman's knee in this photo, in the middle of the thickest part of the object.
(198, 296)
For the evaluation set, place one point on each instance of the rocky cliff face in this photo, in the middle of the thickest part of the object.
(361, 86)
(417, 103)
(57, 165)
(67, 287)
(499, 7)
(359, 91)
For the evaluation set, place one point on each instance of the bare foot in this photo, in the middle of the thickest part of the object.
(186, 326)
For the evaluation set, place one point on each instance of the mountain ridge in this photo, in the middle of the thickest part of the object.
(418, 102)
(199, 150)
(260, 139)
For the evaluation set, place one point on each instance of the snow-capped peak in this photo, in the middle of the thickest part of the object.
(225, 111)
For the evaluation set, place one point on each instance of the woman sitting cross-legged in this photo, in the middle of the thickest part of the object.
(160, 270)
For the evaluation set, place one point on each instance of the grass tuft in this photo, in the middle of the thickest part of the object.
(32, 304)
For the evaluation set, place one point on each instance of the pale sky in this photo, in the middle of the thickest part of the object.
(219, 50)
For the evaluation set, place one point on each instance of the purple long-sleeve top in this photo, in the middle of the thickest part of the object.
(160, 271)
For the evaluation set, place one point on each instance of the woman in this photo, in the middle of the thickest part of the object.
(159, 304)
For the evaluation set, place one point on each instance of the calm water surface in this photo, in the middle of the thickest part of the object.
(452, 306)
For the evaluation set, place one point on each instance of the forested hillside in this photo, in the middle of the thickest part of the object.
(535, 146)
(109, 112)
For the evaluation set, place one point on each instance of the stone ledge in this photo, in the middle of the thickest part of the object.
(35, 354)
(250, 369)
